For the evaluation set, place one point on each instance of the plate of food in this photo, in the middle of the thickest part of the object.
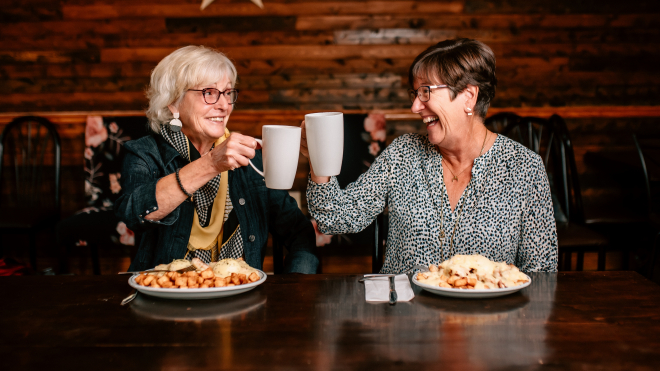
(204, 281)
(472, 277)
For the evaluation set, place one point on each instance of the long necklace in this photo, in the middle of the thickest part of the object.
(455, 176)
(460, 212)
(453, 232)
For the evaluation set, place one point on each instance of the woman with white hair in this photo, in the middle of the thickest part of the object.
(186, 187)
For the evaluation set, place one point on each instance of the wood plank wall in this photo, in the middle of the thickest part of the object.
(594, 62)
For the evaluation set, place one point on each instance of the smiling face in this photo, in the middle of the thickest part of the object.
(443, 116)
(204, 123)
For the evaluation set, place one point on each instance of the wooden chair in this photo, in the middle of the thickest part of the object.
(648, 151)
(498, 123)
(29, 178)
(550, 139)
(653, 260)
(380, 240)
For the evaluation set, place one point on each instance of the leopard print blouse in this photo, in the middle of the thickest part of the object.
(506, 215)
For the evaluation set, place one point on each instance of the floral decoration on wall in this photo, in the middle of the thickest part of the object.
(103, 145)
(126, 236)
(376, 134)
(103, 157)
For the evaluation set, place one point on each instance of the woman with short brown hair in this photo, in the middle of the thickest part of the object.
(459, 63)
(459, 189)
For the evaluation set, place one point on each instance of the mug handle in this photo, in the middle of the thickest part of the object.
(251, 164)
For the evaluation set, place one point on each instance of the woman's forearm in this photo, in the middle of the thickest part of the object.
(317, 179)
(228, 155)
(168, 192)
(352, 209)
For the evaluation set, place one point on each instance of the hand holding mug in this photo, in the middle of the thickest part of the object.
(323, 142)
(305, 152)
(233, 153)
(280, 155)
(303, 140)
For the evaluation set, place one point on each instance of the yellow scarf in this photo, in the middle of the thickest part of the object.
(204, 238)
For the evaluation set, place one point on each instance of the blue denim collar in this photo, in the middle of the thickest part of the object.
(167, 152)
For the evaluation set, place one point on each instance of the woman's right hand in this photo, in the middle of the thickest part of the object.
(303, 141)
(233, 153)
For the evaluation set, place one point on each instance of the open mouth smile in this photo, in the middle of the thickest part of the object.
(431, 120)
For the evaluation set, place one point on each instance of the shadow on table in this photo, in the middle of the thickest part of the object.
(196, 310)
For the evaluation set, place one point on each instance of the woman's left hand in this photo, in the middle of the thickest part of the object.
(305, 152)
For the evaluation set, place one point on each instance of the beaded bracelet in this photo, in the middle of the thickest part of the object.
(181, 185)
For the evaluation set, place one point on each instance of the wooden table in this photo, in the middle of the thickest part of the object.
(566, 321)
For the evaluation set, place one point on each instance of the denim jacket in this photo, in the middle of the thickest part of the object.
(259, 210)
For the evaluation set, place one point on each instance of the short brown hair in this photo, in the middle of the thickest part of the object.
(457, 63)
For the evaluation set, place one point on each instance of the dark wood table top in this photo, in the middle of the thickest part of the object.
(565, 321)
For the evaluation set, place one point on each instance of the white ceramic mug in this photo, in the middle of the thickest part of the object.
(325, 142)
(281, 148)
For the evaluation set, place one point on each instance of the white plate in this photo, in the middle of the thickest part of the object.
(470, 294)
(190, 294)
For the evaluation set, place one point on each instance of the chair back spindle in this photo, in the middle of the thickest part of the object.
(550, 140)
(30, 151)
(646, 161)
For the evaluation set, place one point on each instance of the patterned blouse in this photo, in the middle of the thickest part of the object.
(505, 212)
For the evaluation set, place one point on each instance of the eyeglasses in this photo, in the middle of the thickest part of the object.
(212, 95)
(423, 92)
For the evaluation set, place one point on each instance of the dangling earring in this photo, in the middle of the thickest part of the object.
(469, 113)
(175, 124)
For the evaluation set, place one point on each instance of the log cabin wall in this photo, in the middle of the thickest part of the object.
(593, 62)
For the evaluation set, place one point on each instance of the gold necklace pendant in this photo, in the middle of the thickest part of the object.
(455, 178)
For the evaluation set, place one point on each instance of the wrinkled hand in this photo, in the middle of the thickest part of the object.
(303, 141)
(234, 152)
